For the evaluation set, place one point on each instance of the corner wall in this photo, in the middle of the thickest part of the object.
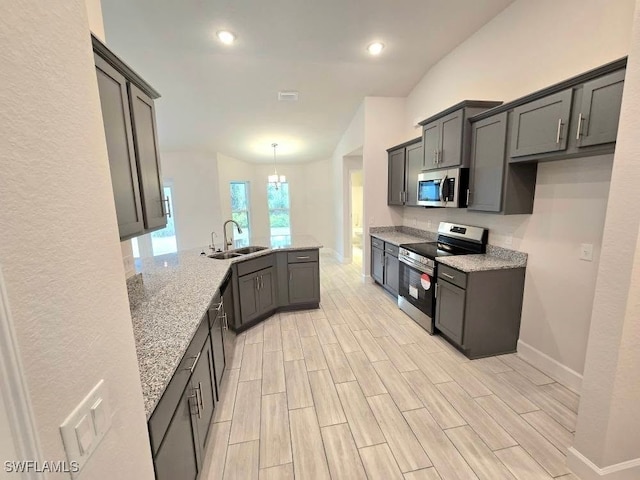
(528, 46)
(59, 247)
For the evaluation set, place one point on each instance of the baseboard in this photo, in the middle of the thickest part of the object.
(559, 372)
(585, 469)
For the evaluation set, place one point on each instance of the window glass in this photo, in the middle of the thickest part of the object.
(164, 241)
(279, 214)
(240, 213)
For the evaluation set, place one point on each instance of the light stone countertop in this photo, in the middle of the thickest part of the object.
(169, 303)
(480, 263)
(398, 238)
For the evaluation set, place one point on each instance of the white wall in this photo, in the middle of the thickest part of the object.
(608, 428)
(59, 247)
(193, 177)
(528, 46)
(310, 193)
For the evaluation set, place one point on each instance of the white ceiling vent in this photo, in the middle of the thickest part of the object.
(287, 96)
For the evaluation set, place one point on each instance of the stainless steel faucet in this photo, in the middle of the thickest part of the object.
(227, 243)
(213, 243)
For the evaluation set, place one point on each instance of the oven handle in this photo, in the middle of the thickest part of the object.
(442, 184)
(416, 266)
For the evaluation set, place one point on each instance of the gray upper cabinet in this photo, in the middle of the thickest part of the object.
(430, 145)
(600, 110)
(486, 174)
(130, 129)
(396, 179)
(542, 126)
(415, 159)
(450, 153)
(446, 135)
(146, 145)
(122, 162)
(303, 283)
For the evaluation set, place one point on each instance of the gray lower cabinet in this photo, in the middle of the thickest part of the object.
(542, 126)
(304, 285)
(128, 116)
(181, 451)
(415, 159)
(391, 273)
(377, 264)
(600, 110)
(495, 185)
(217, 322)
(257, 293)
(478, 327)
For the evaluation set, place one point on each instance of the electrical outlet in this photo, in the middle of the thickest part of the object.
(415, 222)
(372, 221)
(429, 224)
(508, 240)
(586, 252)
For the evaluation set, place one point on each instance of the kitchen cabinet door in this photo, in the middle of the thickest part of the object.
(218, 347)
(486, 174)
(600, 111)
(202, 387)
(431, 145)
(396, 178)
(391, 273)
(233, 319)
(377, 265)
(415, 159)
(542, 126)
(450, 153)
(176, 457)
(267, 298)
(248, 296)
(143, 118)
(303, 283)
(116, 116)
(450, 308)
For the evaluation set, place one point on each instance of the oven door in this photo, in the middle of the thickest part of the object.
(430, 189)
(416, 294)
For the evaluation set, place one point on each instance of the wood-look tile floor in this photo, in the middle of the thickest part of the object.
(357, 390)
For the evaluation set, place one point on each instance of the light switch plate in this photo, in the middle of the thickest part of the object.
(586, 252)
(86, 426)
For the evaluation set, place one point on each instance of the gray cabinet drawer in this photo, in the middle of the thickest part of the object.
(391, 249)
(161, 417)
(452, 275)
(250, 266)
(377, 243)
(302, 256)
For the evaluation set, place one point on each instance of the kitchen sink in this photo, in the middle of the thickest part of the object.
(225, 255)
(236, 253)
(246, 250)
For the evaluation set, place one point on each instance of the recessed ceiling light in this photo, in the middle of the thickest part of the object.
(375, 48)
(226, 37)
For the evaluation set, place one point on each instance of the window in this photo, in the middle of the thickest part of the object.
(159, 242)
(279, 217)
(240, 212)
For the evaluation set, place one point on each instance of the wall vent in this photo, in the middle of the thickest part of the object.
(288, 96)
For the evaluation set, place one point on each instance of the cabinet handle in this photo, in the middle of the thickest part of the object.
(579, 132)
(219, 306)
(306, 257)
(451, 277)
(166, 199)
(435, 157)
(468, 195)
(436, 292)
(201, 397)
(261, 282)
(559, 130)
(225, 322)
(439, 157)
(195, 361)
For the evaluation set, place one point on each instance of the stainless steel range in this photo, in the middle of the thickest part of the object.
(416, 296)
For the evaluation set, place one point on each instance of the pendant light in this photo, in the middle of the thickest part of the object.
(276, 179)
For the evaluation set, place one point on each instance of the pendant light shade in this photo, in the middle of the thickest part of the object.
(276, 179)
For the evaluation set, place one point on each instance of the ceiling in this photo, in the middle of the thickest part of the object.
(221, 98)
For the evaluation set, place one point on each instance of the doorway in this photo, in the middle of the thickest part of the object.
(356, 199)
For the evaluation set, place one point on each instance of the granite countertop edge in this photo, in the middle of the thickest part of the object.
(169, 297)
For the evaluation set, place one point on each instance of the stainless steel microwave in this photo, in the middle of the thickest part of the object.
(443, 188)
